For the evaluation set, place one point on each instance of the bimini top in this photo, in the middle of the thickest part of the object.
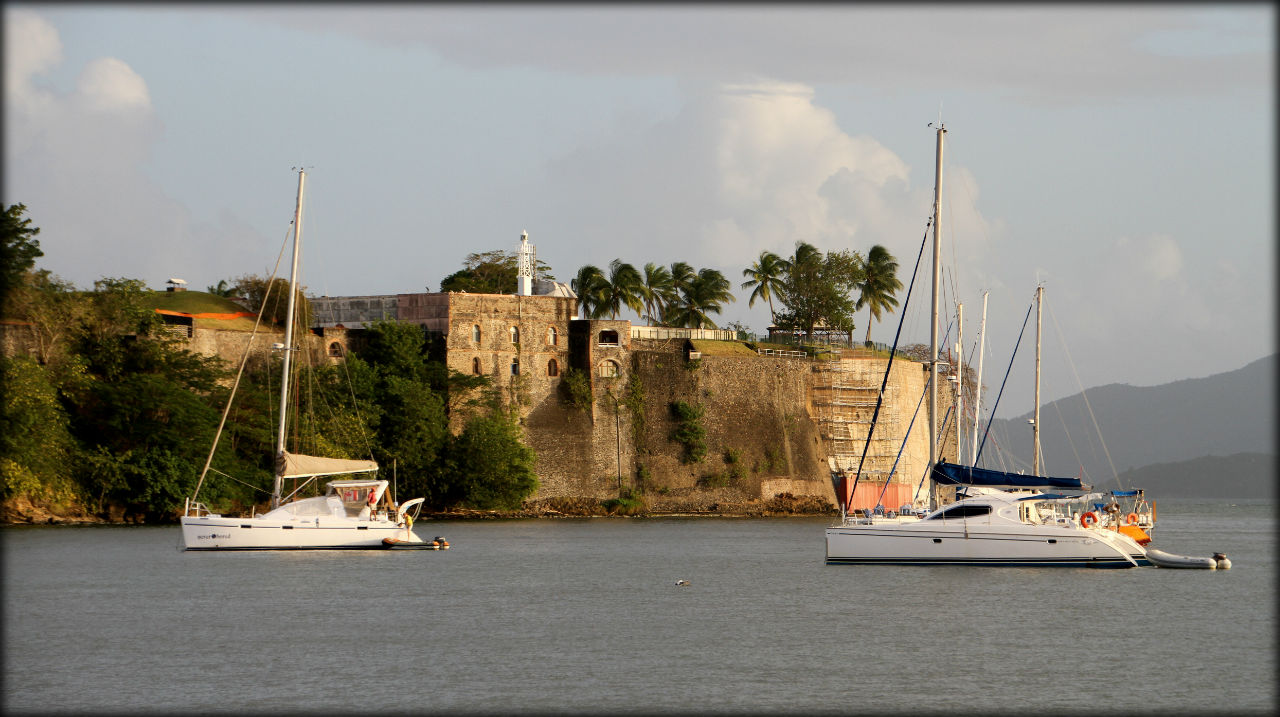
(952, 474)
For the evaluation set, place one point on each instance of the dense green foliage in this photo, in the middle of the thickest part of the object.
(817, 290)
(689, 431)
(111, 412)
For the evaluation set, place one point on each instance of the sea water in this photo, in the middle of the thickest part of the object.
(584, 615)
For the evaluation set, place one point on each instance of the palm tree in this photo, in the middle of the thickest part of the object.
(878, 285)
(590, 286)
(767, 276)
(655, 289)
(623, 288)
(682, 276)
(222, 289)
(703, 296)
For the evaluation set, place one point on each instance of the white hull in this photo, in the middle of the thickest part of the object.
(264, 533)
(1001, 529)
(950, 543)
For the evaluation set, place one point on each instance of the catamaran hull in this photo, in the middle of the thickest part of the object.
(219, 533)
(897, 545)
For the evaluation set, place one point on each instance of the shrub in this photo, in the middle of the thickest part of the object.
(689, 431)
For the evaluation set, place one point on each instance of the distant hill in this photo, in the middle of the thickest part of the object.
(1243, 475)
(1220, 415)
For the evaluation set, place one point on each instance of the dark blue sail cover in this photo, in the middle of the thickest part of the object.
(952, 474)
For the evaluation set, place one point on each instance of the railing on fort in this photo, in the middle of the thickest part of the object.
(659, 333)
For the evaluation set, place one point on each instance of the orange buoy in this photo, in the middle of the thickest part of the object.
(1089, 519)
(1131, 519)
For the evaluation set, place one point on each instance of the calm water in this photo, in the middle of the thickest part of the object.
(584, 616)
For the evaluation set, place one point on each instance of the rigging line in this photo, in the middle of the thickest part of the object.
(928, 469)
(355, 407)
(1067, 432)
(250, 485)
(239, 372)
(1084, 395)
(1002, 383)
(885, 381)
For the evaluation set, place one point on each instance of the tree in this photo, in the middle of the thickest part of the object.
(703, 296)
(222, 289)
(766, 275)
(655, 289)
(489, 467)
(817, 290)
(19, 250)
(490, 272)
(592, 289)
(270, 297)
(682, 276)
(624, 288)
(878, 285)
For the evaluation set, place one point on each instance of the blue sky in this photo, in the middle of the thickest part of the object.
(1121, 155)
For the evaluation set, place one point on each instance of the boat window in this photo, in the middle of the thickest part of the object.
(962, 511)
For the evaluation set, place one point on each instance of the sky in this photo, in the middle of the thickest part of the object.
(1122, 156)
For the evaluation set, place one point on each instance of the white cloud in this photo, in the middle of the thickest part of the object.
(110, 85)
(76, 158)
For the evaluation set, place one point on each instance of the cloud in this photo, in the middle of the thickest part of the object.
(1045, 54)
(743, 168)
(77, 159)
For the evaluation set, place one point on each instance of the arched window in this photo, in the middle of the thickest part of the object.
(335, 349)
(475, 334)
(553, 368)
(475, 365)
(515, 367)
(608, 369)
(551, 335)
(608, 338)
(515, 334)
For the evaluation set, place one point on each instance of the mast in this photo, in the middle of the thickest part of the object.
(933, 314)
(977, 399)
(278, 484)
(1035, 422)
(958, 376)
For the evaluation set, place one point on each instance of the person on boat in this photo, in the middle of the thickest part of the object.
(373, 502)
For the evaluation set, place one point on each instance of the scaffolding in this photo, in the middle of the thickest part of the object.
(844, 398)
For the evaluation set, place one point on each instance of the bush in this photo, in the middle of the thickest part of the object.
(576, 387)
(689, 431)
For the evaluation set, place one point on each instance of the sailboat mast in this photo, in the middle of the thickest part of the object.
(278, 484)
(958, 376)
(1035, 422)
(977, 393)
(933, 314)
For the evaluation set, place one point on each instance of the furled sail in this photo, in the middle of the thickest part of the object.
(952, 474)
(296, 465)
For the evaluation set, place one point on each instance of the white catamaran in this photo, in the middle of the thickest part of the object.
(1000, 518)
(354, 513)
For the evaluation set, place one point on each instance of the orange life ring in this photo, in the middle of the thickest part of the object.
(1131, 519)
(1089, 519)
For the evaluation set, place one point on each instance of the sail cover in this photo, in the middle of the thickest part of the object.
(295, 465)
(952, 474)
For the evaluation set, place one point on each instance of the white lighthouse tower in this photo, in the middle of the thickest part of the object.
(525, 266)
